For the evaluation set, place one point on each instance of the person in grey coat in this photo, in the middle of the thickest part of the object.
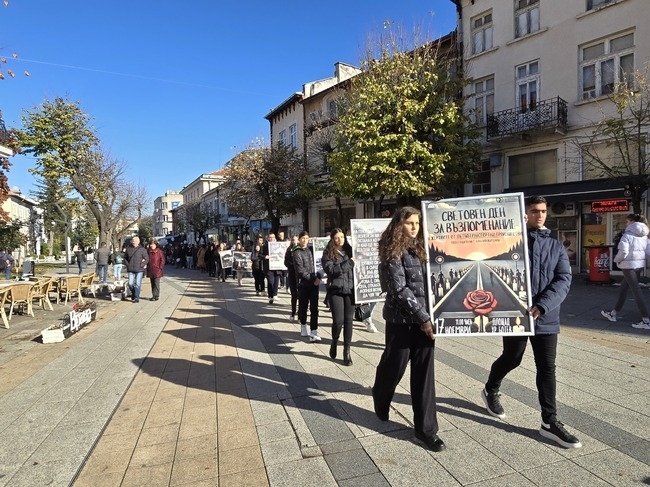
(102, 255)
(550, 280)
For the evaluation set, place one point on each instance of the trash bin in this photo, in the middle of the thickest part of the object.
(29, 268)
(599, 263)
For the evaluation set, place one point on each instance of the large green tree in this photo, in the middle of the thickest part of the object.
(70, 159)
(617, 145)
(401, 128)
(267, 182)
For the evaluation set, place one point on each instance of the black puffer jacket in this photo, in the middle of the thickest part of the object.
(404, 281)
(303, 263)
(340, 274)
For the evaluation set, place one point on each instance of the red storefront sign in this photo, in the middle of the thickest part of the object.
(606, 206)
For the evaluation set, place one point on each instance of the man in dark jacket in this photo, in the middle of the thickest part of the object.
(136, 258)
(550, 279)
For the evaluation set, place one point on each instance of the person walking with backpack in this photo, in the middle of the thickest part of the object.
(118, 262)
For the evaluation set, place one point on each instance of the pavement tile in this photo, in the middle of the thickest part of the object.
(194, 469)
(249, 478)
(281, 430)
(197, 446)
(137, 476)
(237, 438)
(563, 474)
(302, 472)
(104, 462)
(247, 458)
(109, 479)
(615, 467)
(160, 434)
(349, 464)
(281, 451)
(156, 454)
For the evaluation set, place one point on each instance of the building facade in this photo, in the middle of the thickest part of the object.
(162, 216)
(542, 74)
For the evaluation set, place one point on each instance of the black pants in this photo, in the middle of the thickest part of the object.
(258, 275)
(342, 310)
(308, 296)
(404, 343)
(545, 351)
(293, 287)
(272, 283)
(155, 287)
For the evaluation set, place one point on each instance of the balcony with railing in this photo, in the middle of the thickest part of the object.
(541, 117)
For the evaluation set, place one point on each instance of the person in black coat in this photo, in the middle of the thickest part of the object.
(338, 266)
(291, 276)
(409, 332)
(308, 286)
(256, 265)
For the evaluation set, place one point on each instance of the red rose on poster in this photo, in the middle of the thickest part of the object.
(480, 301)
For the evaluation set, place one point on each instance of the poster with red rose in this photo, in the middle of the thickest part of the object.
(478, 272)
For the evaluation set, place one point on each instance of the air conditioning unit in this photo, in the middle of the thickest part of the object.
(562, 209)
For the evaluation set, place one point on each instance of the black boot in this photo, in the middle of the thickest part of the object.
(333, 348)
(347, 359)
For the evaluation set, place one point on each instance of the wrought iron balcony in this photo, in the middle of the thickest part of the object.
(541, 117)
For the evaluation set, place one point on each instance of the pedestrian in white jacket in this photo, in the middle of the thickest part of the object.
(633, 249)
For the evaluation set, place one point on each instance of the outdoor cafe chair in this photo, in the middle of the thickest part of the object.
(41, 291)
(70, 285)
(87, 285)
(21, 294)
(4, 292)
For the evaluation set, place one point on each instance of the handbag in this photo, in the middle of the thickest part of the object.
(362, 312)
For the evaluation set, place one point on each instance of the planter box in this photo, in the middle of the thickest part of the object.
(53, 334)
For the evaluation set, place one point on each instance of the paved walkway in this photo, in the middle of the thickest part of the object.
(212, 386)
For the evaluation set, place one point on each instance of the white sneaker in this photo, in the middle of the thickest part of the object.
(609, 315)
(314, 336)
(292, 318)
(304, 331)
(370, 327)
(645, 325)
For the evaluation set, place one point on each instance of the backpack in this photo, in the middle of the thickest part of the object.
(119, 259)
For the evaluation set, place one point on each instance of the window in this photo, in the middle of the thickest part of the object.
(533, 169)
(593, 4)
(293, 136)
(526, 17)
(331, 108)
(483, 100)
(605, 64)
(527, 86)
(283, 137)
(482, 33)
(482, 182)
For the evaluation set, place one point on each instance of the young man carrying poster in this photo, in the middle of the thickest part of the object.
(550, 276)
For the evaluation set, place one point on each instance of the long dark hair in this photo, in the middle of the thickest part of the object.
(330, 248)
(394, 241)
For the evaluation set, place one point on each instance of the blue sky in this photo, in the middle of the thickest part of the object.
(175, 89)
